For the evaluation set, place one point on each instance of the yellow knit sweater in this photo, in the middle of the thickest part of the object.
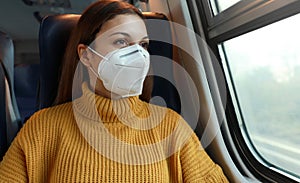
(95, 139)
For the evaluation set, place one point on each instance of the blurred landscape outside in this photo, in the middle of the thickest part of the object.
(265, 69)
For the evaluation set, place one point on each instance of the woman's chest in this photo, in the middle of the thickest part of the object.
(85, 166)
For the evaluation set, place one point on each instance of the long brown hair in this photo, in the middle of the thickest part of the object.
(85, 32)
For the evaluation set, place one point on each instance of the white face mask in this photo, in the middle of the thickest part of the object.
(123, 71)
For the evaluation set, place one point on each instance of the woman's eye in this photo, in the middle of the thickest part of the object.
(121, 42)
(145, 45)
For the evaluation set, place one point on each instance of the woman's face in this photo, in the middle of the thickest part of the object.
(121, 31)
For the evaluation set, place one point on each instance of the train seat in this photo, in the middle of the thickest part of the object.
(53, 38)
(10, 122)
(26, 88)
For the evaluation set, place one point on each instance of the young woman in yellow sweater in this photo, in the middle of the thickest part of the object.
(106, 133)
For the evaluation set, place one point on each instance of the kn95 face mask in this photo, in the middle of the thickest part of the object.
(124, 70)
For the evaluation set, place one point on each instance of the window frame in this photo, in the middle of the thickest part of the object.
(239, 19)
(245, 16)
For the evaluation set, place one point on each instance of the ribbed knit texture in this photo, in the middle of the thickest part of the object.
(66, 143)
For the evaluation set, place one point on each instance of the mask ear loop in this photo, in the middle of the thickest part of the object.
(92, 50)
(98, 54)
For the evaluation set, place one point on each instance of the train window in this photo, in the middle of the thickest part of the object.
(264, 69)
(221, 5)
(256, 44)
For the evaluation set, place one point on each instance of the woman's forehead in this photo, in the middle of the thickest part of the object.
(127, 23)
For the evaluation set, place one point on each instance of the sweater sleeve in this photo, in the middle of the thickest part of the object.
(197, 166)
(13, 166)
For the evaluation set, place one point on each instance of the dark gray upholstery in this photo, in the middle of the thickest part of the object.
(26, 87)
(9, 114)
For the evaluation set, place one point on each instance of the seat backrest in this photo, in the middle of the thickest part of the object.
(26, 87)
(9, 113)
(53, 38)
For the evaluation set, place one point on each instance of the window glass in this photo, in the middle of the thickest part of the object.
(265, 72)
(221, 5)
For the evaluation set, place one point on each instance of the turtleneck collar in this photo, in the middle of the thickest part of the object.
(93, 106)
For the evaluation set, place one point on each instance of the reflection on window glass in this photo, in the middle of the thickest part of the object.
(220, 5)
(265, 70)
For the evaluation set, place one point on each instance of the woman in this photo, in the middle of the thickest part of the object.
(107, 134)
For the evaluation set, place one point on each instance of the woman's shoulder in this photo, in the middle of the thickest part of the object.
(168, 117)
(50, 118)
(52, 113)
(161, 106)
(42, 130)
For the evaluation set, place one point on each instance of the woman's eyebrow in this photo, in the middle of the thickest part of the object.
(122, 33)
(127, 35)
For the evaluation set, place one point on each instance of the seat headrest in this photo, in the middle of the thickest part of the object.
(53, 38)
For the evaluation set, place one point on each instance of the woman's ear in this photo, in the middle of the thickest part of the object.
(83, 55)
